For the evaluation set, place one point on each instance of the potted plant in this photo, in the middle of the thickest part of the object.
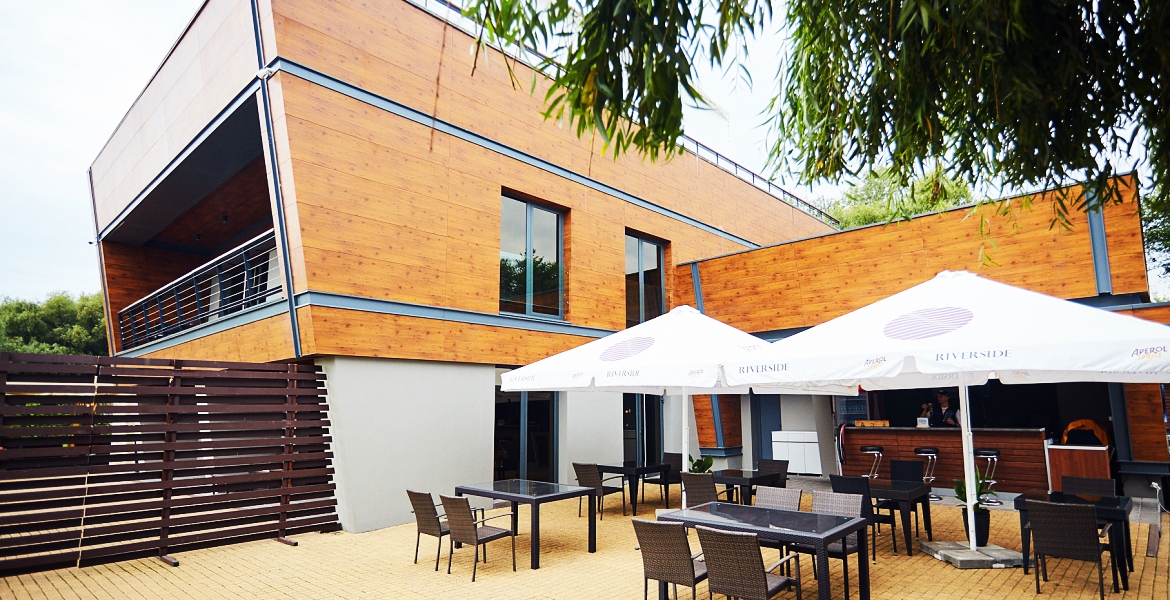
(702, 464)
(982, 515)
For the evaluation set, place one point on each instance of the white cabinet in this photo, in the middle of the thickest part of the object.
(800, 448)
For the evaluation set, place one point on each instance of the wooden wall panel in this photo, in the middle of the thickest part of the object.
(210, 64)
(704, 422)
(806, 282)
(1158, 314)
(133, 272)
(231, 214)
(1127, 258)
(1147, 425)
(265, 340)
(729, 409)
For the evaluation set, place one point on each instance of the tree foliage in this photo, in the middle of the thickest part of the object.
(59, 325)
(881, 197)
(1023, 93)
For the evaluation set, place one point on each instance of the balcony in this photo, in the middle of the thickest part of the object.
(242, 278)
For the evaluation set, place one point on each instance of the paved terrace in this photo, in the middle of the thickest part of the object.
(379, 564)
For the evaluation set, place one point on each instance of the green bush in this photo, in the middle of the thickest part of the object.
(59, 325)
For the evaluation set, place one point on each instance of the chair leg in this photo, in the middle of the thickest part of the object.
(1036, 562)
(645, 588)
(579, 498)
(1044, 567)
(624, 500)
(475, 566)
(894, 532)
(872, 545)
(1101, 580)
(1113, 568)
(916, 536)
(438, 553)
(485, 554)
(601, 507)
(450, 553)
(417, 539)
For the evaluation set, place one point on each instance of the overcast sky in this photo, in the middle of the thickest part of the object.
(71, 69)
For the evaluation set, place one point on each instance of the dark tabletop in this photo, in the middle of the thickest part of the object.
(784, 525)
(735, 476)
(1113, 508)
(523, 490)
(898, 490)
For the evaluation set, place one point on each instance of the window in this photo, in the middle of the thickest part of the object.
(530, 259)
(644, 297)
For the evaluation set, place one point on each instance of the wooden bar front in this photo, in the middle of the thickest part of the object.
(1021, 461)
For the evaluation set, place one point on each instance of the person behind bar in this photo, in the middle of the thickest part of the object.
(944, 415)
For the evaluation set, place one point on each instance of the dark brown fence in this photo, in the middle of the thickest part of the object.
(105, 459)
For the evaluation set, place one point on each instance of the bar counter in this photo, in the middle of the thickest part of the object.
(1021, 467)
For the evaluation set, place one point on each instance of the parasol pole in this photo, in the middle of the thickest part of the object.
(686, 439)
(968, 457)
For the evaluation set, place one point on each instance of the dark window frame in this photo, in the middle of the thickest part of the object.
(529, 207)
(661, 246)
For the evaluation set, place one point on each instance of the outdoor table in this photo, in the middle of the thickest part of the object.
(634, 475)
(1114, 510)
(808, 529)
(906, 494)
(746, 480)
(534, 493)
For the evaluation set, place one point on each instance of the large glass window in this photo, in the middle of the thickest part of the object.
(644, 297)
(530, 259)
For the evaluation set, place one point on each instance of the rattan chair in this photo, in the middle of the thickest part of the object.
(588, 476)
(666, 556)
(1088, 486)
(768, 465)
(466, 529)
(905, 470)
(860, 486)
(1068, 531)
(674, 461)
(699, 488)
(778, 498)
(735, 566)
(839, 505)
(428, 520)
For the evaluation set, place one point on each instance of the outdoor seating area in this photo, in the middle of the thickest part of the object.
(381, 564)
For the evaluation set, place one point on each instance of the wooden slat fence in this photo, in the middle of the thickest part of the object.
(105, 458)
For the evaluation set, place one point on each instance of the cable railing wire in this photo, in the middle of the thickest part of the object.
(452, 14)
(242, 278)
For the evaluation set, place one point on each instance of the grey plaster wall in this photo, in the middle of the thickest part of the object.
(399, 424)
(589, 430)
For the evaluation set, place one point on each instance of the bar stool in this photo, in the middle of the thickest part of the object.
(876, 451)
(992, 458)
(931, 456)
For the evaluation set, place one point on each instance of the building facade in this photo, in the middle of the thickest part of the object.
(345, 183)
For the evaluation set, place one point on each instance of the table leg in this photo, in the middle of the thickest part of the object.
(1128, 545)
(515, 518)
(823, 582)
(863, 564)
(1025, 540)
(535, 533)
(592, 522)
(904, 508)
(926, 518)
(745, 495)
(635, 483)
(1118, 534)
(457, 544)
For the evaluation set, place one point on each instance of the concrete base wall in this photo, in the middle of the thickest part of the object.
(400, 424)
(589, 430)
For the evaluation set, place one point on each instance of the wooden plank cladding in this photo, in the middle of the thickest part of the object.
(107, 459)
(1021, 462)
(1147, 426)
(807, 282)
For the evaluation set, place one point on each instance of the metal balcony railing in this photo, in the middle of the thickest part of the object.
(450, 12)
(246, 276)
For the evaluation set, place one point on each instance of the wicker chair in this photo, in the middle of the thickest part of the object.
(666, 556)
(1088, 486)
(905, 470)
(674, 461)
(588, 476)
(700, 489)
(466, 529)
(860, 486)
(428, 520)
(1068, 531)
(839, 505)
(778, 498)
(735, 567)
(775, 466)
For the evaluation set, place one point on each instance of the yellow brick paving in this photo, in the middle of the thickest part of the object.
(379, 565)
